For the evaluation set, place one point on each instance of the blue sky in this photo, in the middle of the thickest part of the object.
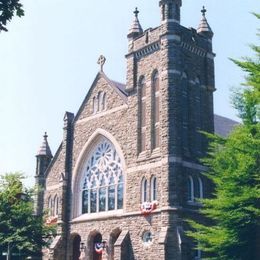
(48, 60)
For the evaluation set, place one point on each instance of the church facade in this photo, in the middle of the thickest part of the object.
(127, 173)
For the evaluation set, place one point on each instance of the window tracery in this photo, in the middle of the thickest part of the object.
(103, 181)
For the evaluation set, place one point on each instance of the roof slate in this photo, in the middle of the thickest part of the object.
(223, 125)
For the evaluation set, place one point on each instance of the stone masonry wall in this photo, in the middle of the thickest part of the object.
(164, 52)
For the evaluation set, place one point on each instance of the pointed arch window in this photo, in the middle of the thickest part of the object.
(153, 188)
(50, 206)
(198, 114)
(94, 105)
(198, 188)
(144, 190)
(99, 100)
(201, 188)
(103, 105)
(190, 188)
(185, 113)
(56, 206)
(155, 120)
(102, 185)
(142, 114)
(195, 188)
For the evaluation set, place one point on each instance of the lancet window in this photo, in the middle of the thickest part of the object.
(102, 185)
(195, 188)
(56, 205)
(142, 118)
(185, 113)
(53, 205)
(144, 190)
(155, 129)
(99, 102)
(50, 206)
(153, 188)
(198, 114)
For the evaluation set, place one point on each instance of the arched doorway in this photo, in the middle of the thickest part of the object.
(96, 239)
(112, 239)
(76, 247)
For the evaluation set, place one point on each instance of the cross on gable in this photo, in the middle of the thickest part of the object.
(101, 61)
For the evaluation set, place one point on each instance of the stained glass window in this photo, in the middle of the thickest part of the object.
(102, 185)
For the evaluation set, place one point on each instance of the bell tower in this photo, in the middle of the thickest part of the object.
(170, 83)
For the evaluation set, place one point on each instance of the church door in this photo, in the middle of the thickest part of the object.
(76, 248)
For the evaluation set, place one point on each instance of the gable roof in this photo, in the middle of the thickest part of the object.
(223, 125)
(54, 159)
(118, 87)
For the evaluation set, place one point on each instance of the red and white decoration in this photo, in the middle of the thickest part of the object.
(147, 207)
(51, 220)
(99, 248)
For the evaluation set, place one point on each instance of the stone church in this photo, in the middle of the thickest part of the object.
(127, 173)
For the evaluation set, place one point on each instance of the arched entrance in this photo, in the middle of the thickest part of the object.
(96, 239)
(76, 247)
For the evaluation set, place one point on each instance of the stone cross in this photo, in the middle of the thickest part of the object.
(136, 12)
(203, 11)
(101, 61)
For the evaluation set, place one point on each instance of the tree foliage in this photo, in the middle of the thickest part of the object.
(234, 167)
(8, 9)
(19, 227)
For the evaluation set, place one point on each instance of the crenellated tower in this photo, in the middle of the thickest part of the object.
(170, 84)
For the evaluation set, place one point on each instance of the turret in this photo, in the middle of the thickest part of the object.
(136, 28)
(43, 156)
(43, 159)
(204, 28)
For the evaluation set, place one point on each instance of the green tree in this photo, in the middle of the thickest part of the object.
(233, 213)
(8, 9)
(20, 229)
